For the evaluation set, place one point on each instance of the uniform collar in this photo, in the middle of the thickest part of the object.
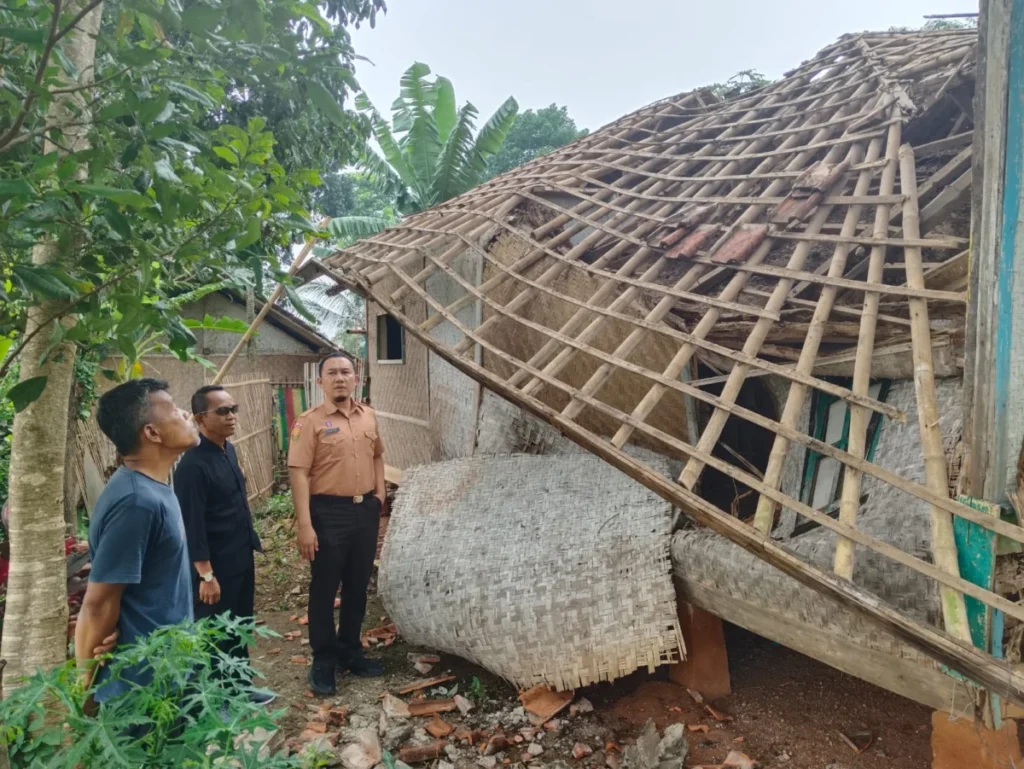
(330, 408)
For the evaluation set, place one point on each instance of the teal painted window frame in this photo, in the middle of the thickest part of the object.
(820, 406)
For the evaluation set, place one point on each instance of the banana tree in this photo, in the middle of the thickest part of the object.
(430, 152)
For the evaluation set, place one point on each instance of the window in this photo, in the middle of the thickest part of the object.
(830, 423)
(390, 340)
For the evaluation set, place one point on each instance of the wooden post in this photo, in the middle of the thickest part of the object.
(993, 422)
(267, 306)
(706, 667)
(994, 364)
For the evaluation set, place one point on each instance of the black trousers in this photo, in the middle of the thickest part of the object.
(237, 597)
(347, 538)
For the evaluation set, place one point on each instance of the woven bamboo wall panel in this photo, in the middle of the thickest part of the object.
(819, 217)
(507, 562)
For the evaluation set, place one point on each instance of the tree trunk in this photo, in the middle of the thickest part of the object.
(35, 625)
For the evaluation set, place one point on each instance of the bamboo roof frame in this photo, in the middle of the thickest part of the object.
(794, 179)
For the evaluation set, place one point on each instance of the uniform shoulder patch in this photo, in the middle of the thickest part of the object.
(297, 429)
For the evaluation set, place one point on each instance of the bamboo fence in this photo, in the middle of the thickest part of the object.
(710, 225)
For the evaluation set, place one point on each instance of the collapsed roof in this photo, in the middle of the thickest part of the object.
(813, 227)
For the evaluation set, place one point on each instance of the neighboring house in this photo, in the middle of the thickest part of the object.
(705, 279)
(280, 349)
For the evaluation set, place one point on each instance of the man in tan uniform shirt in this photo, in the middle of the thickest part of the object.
(336, 464)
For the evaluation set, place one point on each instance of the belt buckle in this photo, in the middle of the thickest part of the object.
(357, 499)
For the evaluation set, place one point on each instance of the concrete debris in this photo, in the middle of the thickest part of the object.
(394, 707)
(488, 762)
(738, 760)
(463, 704)
(613, 761)
(652, 752)
(397, 736)
(535, 749)
(582, 705)
(269, 740)
(364, 752)
(423, 667)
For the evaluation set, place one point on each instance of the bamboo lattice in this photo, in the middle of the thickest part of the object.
(770, 233)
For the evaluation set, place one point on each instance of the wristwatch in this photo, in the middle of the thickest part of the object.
(208, 577)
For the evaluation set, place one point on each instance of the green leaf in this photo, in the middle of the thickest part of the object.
(296, 301)
(23, 35)
(226, 153)
(116, 194)
(43, 282)
(110, 374)
(352, 228)
(224, 323)
(127, 348)
(25, 393)
(326, 103)
(444, 108)
(5, 346)
(152, 108)
(16, 187)
(252, 234)
(164, 170)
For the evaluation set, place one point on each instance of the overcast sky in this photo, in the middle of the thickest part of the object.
(605, 58)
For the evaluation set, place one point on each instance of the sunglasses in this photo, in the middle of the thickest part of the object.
(223, 411)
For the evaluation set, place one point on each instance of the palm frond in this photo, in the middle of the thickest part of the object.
(421, 145)
(348, 229)
(451, 165)
(444, 107)
(492, 136)
(334, 311)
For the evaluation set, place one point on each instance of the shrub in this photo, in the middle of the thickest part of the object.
(184, 717)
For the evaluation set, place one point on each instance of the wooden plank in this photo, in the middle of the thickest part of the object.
(917, 679)
(981, 477)
(952, 197)
(944, 145)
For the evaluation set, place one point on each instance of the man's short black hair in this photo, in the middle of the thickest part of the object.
(124, 411)
(199, 402)
(332, 356)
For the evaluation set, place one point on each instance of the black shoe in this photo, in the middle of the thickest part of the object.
(361, 667)
(321, 678)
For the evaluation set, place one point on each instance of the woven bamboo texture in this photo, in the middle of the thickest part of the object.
(762, 234)
(507, 562)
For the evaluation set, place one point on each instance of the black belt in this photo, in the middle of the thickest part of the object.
(358, 499)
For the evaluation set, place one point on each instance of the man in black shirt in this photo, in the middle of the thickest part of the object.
(218, 523)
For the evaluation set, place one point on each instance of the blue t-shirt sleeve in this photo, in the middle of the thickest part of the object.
(121, 546)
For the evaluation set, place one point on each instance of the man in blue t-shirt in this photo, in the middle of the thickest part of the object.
(140, 578)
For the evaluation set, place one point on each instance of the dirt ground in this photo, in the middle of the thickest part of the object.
(786, 710)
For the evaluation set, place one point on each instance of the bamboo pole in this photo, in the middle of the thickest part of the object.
(859, 418)
(267, 307)
(954, 610)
